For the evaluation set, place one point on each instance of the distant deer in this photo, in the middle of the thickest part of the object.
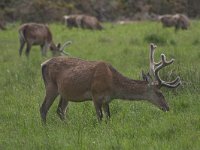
(83, 21)
(39, 34)
(178, 21)
(79, 80)
(2, 24)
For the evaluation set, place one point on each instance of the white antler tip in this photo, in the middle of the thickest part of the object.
(153, 45)
(163, 56)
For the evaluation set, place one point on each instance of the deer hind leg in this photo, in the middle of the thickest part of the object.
(51, 94)
(22, 43)
(98, 107)
(28, 48)
(106, 108)
(62, 107)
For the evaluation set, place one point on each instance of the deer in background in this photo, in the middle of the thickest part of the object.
(39, 34)
(83, 21)
(178, 21)
(2, 24)
(78, 80)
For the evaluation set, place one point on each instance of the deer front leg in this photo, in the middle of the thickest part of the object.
(44, 49)
(62, 107)
(51, 94)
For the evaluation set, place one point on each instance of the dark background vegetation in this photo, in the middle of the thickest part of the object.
(104, 10)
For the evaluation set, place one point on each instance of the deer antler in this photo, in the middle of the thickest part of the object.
(155, 67)
(64, 45)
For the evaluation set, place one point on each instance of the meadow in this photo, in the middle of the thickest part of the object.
(133, 125)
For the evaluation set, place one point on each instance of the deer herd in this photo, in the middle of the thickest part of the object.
(77, 80)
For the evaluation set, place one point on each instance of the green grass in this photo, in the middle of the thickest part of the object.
(133, 125)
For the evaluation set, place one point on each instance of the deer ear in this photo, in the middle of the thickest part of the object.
(146, 77)
(143, 75)
(58, 45)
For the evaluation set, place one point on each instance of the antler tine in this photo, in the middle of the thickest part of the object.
(156, 67)
(65, 53)
(152, 49)
(173, 84)
(65, 44)
(152, 67)
(153, 64)
(162, 65)
(157, 64)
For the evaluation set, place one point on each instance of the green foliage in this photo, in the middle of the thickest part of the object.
(133, 125)
(104, 10)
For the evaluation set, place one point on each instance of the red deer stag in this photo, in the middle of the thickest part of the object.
(38, 34)
(79, 80)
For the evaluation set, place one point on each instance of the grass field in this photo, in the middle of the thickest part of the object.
(133, 125)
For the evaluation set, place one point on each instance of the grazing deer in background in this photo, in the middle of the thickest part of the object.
(179, 21)
(39, 34)
(79, 80)
(73, 21)
(2, 24)
(83, 21)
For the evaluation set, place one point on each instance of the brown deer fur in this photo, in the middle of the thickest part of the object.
(37, 34)
(178, 21)
(79, 80)
(83, 21)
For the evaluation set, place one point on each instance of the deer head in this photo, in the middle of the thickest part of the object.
(154, 80)
(58, 49)
(156, 67)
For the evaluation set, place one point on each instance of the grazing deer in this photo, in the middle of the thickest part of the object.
(79, 80)
(83, 21)
(178, 21)
(2, 24)
(73, 21)
(38, 34)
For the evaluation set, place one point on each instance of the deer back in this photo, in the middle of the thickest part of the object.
(36, 34)
(80, 79)
(76, 78)
(168, 20)
(91, 22)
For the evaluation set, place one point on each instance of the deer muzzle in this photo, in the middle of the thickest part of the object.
(165, 108)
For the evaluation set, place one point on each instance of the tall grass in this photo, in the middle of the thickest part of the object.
(133, 125)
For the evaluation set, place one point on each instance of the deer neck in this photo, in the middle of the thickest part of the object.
(128, 89)
(52, 46)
